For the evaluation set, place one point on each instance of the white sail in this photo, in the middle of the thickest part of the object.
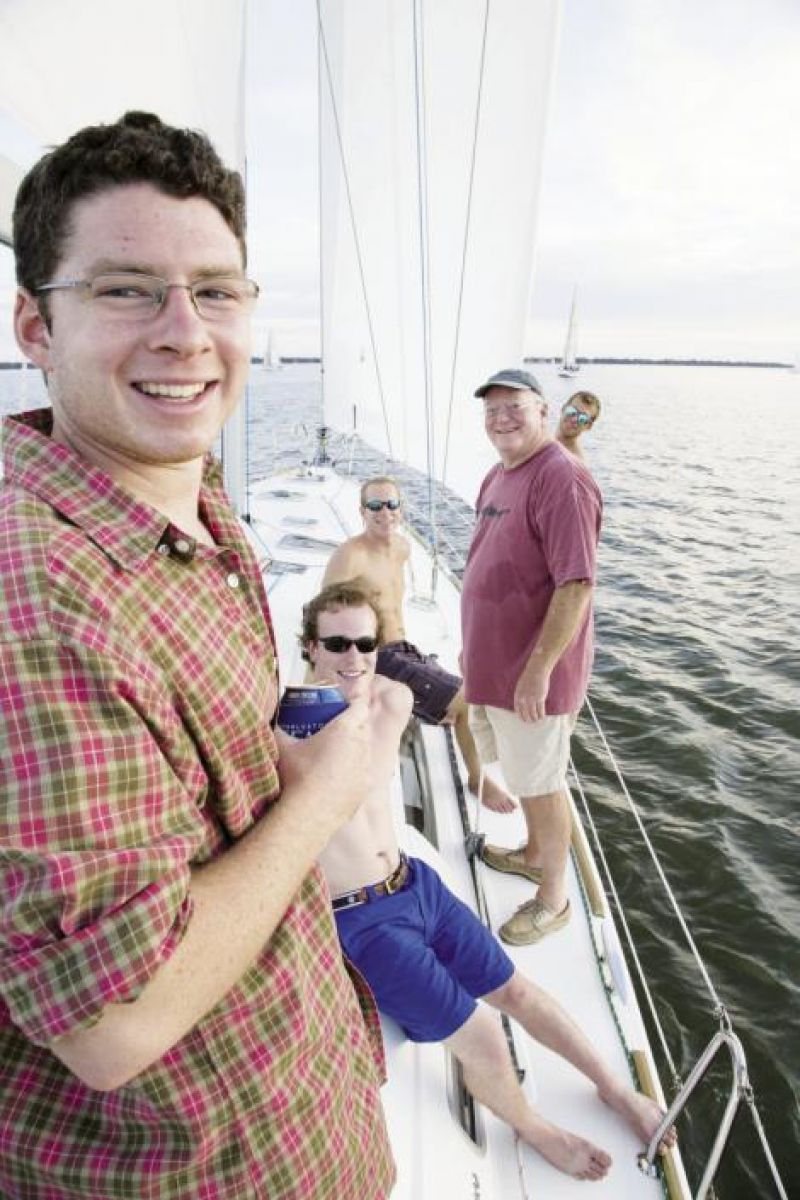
(432, 125)
(10, 175)
(569, 359)
(182, 59)
(189, 72)
(272, 359)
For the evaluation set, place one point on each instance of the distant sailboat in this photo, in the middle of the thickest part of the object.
(569, 361)
(272, 360)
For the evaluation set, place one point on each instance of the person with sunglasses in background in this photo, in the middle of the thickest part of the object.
(379, 554)
(432, 966)
(578, 415)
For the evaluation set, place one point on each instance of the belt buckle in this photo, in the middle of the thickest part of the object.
(396, 879)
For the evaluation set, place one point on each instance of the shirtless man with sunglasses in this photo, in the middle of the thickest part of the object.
(379, 555)
(430, 963)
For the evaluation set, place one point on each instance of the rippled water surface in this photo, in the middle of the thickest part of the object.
(697, 686)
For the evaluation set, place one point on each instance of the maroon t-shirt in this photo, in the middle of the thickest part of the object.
(538, 525)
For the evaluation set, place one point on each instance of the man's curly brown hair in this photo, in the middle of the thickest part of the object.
(138, 148)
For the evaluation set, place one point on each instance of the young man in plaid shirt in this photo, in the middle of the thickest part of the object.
(175, 1017)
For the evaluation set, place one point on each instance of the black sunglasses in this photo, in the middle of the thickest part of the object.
(340, 645)
(377, 505)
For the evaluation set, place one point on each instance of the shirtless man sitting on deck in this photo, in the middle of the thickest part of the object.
(426, 956)
(379, 555)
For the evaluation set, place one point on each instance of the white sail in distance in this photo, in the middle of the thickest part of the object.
(569, 359)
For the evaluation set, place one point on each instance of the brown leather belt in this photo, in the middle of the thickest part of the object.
(374, 891)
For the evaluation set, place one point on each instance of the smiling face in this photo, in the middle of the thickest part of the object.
(516, 423)
(381, 522)
(134, 396)
(351, 671)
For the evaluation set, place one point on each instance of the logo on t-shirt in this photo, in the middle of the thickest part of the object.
(491, 511)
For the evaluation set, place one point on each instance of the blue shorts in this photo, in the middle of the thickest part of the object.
(424, 954)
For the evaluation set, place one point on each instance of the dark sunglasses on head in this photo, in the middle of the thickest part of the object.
(337, 644)
(377, 505)
(569, 410)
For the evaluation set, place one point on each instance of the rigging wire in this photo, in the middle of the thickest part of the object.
(424, 271)
(321, 256)
(467, 227)
(620, 912)
(719, 1008)
(354, 228)
(720, 1011)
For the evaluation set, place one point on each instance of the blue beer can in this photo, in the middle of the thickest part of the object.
(306, 707)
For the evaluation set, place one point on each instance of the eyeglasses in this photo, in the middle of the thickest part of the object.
(377, 505)
(569, 410)
(127, 295)
(340, 645)
(491, 411)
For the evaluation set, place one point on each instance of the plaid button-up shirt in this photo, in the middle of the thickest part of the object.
(137, 682)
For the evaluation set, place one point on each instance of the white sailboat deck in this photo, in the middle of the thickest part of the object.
(295, 521)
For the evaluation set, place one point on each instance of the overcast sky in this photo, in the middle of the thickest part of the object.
(672, 178)
(671, 192)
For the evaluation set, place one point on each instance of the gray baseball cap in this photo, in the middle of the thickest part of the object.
(511, 378)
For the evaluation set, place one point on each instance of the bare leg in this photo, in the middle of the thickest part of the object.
(546, 1021)
(481, 1048)
(494, 797)
(549, 830)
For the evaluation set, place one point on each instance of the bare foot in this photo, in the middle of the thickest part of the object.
(494, 797)
(569, 1153)
(642, 1114)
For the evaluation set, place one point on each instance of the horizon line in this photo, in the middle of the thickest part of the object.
(597, 360)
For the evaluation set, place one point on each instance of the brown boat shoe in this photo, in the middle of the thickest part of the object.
(532, 921)
(510, 861)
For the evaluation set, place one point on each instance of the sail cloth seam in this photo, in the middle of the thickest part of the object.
(467, 228)
(354, 228)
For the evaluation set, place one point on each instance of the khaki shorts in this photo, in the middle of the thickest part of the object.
(533, 755)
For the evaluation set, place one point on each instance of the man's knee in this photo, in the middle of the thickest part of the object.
(545, 800)
(511, 994)
(456, 710)
(480, 1040)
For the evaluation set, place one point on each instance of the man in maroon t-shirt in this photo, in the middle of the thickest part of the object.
(527, 632)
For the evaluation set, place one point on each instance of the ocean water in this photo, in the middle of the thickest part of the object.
(697, 687)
